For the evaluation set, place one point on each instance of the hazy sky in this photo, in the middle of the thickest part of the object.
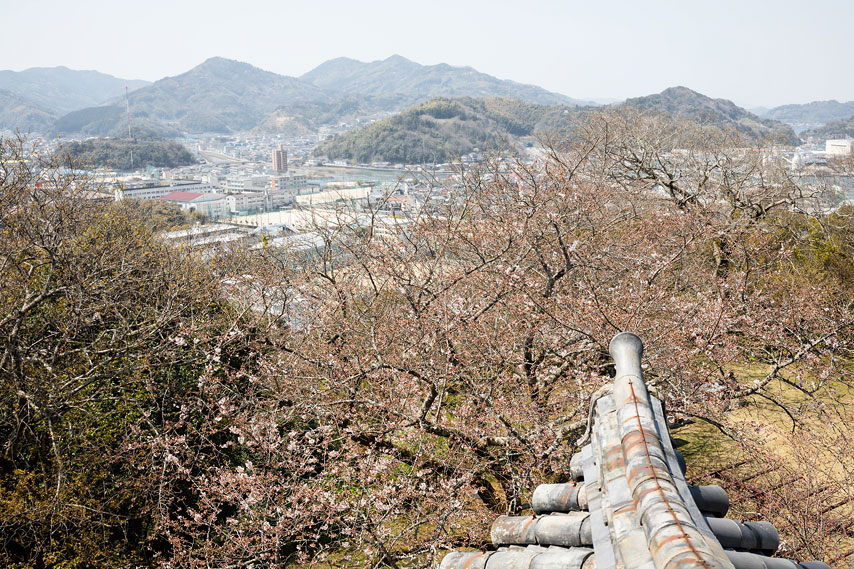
(755, 52)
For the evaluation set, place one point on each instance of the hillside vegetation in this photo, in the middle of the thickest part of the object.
(115, 154)
(19, 113)
(298, 118)
(111, 121)
(442, 130)
(811, 115)
(379, 401)
(720, 113)
(62, 90)
(400, 76)
(841, 128)
(225, 96)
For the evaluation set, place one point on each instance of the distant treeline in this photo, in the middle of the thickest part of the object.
(116, 154)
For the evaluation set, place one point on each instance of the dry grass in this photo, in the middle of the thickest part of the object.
(793, 466)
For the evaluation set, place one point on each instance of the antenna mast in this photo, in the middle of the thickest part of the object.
(130, 139)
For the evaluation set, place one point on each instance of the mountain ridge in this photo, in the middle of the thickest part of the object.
(687, 103)
(221, 95)
(840, 128)
(218, 95)
(224, 96)
(22, 114)
(62, 89)
(35, 97)
(423, 82)
(443, 129)
(812, 115)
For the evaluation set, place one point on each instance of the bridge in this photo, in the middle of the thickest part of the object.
(629, 505)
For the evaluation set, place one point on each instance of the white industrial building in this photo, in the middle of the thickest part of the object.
(153, 191)
(213, 206)
(839, 147)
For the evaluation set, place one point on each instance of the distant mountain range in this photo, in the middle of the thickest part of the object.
(222, 96)
(61, 90)
(24, 114)
(226, 96)
(32, 100)
(218, 96)
(401, 76)
(684, 102)
(810, 115)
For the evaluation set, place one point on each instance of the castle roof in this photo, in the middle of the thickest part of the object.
(629, 505)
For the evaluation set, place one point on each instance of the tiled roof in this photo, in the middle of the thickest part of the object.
(181, 196)
(629, 506)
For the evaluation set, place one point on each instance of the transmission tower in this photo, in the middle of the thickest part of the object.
(130, 138)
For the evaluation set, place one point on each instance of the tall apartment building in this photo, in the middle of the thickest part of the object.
(280, 159)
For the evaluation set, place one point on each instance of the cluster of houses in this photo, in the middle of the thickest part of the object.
(218, 200)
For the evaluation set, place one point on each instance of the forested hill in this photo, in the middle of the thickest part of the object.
(841, 128)
(112, 121)
(31, 100)
(297, 118)
(17, 112)
(61, 90)
(811, 115)
(443, 129)
(399, 75)
(219, 95)
(115, 154)
(222, 95)
(685, 103)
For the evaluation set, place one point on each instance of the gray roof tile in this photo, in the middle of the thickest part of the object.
(630, 501)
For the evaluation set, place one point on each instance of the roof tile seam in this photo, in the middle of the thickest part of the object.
(653, 539)
(662, 520)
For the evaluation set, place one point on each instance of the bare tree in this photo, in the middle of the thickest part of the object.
(377, 397)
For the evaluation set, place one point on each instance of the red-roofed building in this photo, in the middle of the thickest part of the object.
(212, 205)
(183, 196)
(396, 203)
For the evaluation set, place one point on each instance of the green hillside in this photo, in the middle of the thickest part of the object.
(20, 113)
(116, 154)
(442, 130)
(841, 128)
(399, 75)
(61, 90)
(219, 95)
(683, 102)
(811, 115)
